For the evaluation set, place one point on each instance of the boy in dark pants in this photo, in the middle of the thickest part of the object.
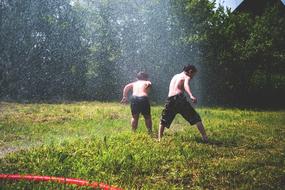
(139, 101)
(177, 102)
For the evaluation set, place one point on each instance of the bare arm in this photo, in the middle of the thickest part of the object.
(188, 90)
(127, 88)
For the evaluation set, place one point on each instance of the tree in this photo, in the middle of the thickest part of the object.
(42, 56)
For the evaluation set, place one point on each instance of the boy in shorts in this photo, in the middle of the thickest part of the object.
(139, 100)
(177, 102)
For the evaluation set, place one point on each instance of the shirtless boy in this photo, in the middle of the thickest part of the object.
(139, 100)
(177, 102)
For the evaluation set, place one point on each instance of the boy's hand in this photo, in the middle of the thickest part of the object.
(124, 100)
(194, 99)
(148, 84)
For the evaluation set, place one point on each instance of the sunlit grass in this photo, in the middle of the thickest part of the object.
(93, 141)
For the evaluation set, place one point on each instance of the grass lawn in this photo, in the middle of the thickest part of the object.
(93, 141)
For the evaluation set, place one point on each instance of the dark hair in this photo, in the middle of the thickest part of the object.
(187, 68)
(142, 76)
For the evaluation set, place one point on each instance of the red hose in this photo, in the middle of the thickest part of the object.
(62, 180)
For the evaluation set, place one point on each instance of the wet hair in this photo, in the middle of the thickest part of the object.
(187, 68)
(142, 76)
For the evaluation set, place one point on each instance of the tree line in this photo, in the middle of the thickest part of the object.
(88, 49)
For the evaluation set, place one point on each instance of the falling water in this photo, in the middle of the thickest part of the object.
(89, 49)
(147, 32)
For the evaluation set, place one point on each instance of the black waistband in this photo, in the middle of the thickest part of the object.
(180, 95)
(139, 97)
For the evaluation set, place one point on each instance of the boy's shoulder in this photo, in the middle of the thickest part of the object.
(147, 82)
(142, 82)
(184, 76)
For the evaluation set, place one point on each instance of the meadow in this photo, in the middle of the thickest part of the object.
(93, 141)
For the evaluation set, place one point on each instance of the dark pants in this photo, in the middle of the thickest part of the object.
(178, 104)
(140, 104)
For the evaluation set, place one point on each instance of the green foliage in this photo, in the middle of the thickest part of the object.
(89, 49)
(233, 49)
(250, 46)
(42, 54)
(103, 75)
(246, 148)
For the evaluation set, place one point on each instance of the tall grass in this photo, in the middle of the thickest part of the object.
(93, 141)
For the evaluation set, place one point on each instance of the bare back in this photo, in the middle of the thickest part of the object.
(141, 88)
(177, 84)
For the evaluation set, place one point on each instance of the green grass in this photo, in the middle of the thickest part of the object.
(93, 141)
